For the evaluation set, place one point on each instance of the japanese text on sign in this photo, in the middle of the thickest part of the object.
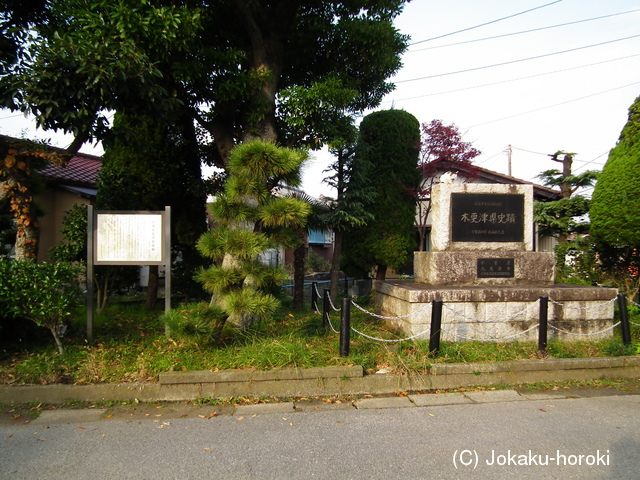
(129, 238)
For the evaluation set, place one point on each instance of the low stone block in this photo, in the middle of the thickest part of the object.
(436, 399)
(265, 408)
(495, 396)
(384, 402)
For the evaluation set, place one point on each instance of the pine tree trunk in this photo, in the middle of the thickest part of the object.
(381, 272)
(299, 255)
(335, 265)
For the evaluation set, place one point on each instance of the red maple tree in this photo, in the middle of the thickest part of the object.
(442, 150)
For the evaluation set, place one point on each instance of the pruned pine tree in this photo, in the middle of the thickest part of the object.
(249, 219)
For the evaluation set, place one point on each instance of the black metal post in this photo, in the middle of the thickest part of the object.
(543, 324)
(624, 319)
(345, 327)
(314, 296)
(326, 308)
(436, 324)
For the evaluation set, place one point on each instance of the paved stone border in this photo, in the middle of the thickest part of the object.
(427, 402)
(328, 381)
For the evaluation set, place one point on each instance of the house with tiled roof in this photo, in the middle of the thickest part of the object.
(66, 186)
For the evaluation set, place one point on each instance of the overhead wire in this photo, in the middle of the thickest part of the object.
(518, 60)
(554, 105)
(547, 155)
(523, 31)
(515, 79)
(484, 24)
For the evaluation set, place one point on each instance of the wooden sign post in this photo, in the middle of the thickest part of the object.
(127, 238)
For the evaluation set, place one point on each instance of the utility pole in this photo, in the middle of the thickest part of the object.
(509, 150)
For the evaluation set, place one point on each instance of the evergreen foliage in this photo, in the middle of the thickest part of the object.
(387, 155)
(615, 207)
(150, 163)
(46, 293)
(249, 219)
(291, 71)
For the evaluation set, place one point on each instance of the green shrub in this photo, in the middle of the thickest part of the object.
(616, 348)
(45, 293)
(315, 263)
(200, 321)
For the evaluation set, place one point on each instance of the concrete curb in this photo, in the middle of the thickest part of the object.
(327, 381)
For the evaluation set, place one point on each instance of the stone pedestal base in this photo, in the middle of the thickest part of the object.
(462, 268)
(497, 313)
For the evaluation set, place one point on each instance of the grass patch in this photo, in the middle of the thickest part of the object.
(131, 346)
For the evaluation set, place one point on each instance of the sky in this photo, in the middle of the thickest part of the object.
(575, 101)
(494, 68)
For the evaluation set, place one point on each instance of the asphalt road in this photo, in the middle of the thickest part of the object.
(547, 438)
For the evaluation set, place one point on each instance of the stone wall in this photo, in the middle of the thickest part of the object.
(498, 314)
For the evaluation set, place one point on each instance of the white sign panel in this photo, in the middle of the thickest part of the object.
(129, 238)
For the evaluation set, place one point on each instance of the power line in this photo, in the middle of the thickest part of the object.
(514, 79)
(546, 155)
(523, 31)
(529, 151)
(13, 116)
(517, 61)
(554, 105)
(484, 24)
(485, 160)
(591, 161)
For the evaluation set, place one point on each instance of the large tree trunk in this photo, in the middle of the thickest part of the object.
(152, 287)
(16, 189)
(27, 238)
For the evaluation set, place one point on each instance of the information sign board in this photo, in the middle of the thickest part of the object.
(129, 238)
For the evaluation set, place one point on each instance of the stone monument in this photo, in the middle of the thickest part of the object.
(484, 268)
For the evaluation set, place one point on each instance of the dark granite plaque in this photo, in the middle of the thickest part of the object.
(487, 217)
(495, 267)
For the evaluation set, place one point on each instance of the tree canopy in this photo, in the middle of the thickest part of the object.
(289, 70)
(387, 156)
